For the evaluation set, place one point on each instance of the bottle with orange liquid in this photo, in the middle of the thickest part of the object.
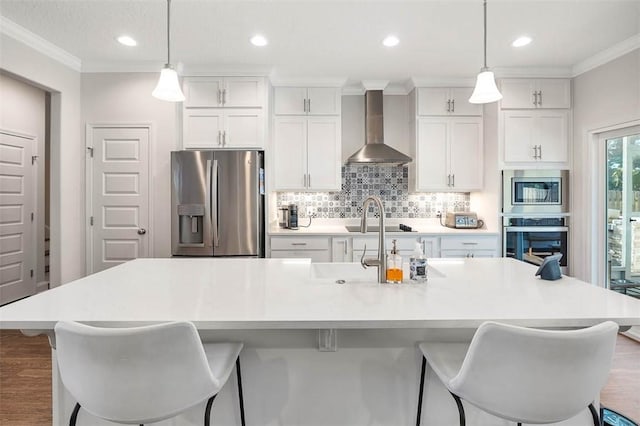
(394, 266)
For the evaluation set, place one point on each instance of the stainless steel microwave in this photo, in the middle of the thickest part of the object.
(535, 191)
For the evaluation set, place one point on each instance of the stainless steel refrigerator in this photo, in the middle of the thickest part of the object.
(217, 203)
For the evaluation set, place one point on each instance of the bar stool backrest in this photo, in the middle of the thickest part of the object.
(535, 376)
(134, 375)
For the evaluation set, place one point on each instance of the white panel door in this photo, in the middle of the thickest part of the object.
(518, 93)
(324, 154)
(290, 153)
(466, 153)
(17, 192)
(433, 101)
(289, 101)
(432, 158)
(460, 102)
(119, 195)
(519, 136)
(554, 93)
(552, 135)
(243, 92)
(244, 128)
(324, 101)
(203, 91)
(203, 128)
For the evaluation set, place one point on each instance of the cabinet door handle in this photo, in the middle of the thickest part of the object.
(219, 97)
(539, 97)
(224, 96)
(453, 105)
(308, 105)
(448, 180)
(304, 105)
(539, 152)
(309, 180)
(219, 137)
(535, 152)
(453, 180)
(535, 98)
(448, 105)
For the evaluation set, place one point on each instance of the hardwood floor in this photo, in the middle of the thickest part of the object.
(25, 380)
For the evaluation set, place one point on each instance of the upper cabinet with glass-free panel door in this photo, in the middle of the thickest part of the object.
(446, 101)
(526, 93)
(307, 101)
(223, 112)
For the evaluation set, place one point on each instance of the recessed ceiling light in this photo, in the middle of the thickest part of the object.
(259, 40)
(521, 41)
(127, 41)
(390, 41)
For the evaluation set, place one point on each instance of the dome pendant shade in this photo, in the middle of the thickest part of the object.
(168, 87)
(486, 90)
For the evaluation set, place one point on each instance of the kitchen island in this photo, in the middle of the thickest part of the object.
(318, 352)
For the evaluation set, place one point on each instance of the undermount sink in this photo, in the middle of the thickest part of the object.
(389, 228)
(353, 272)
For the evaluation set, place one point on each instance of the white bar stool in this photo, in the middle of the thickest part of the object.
(143, 374)
(524, 375)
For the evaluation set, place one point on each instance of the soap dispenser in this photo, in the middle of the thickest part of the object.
(394, 266)
(418, 265)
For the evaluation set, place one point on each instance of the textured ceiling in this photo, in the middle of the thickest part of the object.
(331, 39)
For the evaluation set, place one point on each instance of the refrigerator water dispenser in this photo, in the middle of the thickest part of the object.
(191, 223)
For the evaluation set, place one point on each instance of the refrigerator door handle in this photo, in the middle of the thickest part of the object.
(214, 204)
(207, 201)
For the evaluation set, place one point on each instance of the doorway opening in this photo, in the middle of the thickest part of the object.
(623, 211)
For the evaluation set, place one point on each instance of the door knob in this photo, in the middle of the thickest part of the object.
(142, 231)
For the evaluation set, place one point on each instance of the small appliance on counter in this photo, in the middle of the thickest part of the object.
(463, 220)
(288, 217)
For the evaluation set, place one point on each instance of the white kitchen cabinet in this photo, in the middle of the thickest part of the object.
(405, 245)
(446, 101)
(318, 249)
(223, 128)
(524, 93)
(341, 250)
(226, 92)
(540, 136)
(469, 246)
(448, 154)
(307, 101)
(307, 153)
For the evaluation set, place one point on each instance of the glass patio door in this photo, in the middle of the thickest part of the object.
(623, 213)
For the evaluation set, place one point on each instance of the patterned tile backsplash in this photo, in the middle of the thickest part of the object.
(390, 183)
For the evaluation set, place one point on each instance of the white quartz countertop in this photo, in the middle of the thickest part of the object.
(282, 294)
(337, 227)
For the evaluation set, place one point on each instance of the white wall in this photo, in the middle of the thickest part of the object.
(67, 153)
(605, 96)
(122, 98)
(23, 110)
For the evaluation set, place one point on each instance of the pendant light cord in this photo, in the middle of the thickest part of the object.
(485, 33)
(169, 33)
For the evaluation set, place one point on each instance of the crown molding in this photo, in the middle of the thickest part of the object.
(440, 82)
(307, 82)
(529, 72)
(607, 55)
(21, 34)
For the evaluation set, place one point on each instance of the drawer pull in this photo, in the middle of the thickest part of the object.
(298, 244)
(470, 244)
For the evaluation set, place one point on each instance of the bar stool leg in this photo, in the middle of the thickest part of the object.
(240, 396)
(424, 364)
(74, 415)
(460, 409)
(207, 411)
(594, 415)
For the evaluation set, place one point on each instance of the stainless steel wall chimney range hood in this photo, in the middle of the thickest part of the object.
(375, 150)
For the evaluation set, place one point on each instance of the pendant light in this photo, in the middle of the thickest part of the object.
(168, 87)
(486, 90)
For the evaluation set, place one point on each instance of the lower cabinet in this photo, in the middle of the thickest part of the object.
(318, 249)
(351, 249)
(472, 246)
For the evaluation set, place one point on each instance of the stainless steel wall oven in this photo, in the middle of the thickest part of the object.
(535, 210)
